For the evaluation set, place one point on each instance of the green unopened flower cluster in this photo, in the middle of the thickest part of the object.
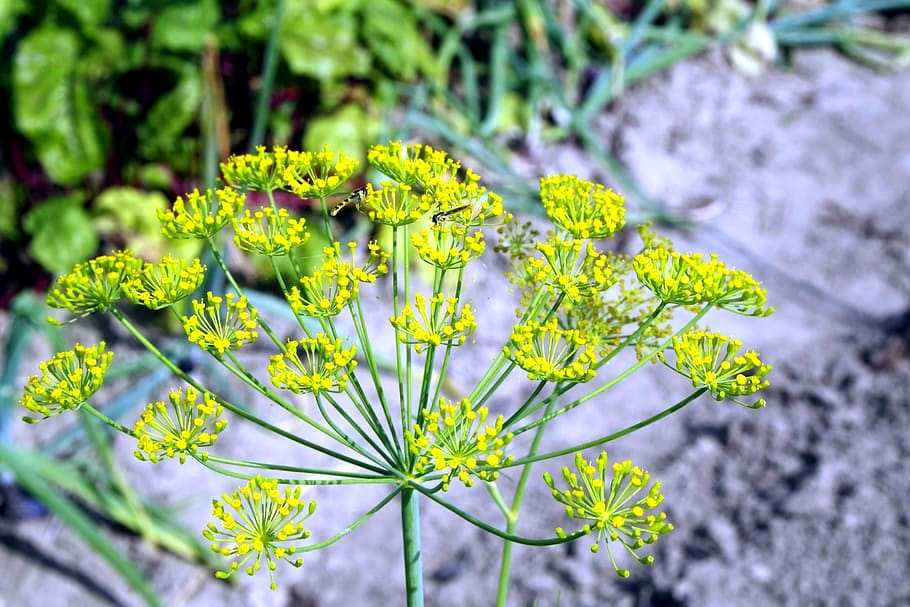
(581, 207)
(221, 323)
(622, 510)
(94, 285)
(200, 215)
(67, 380)
(550, 353)
(164, 283)
(713, 361)
(313, 365)
(259, 524)
(178, 430)
(437, 321)
(269, 232)
(455, 439)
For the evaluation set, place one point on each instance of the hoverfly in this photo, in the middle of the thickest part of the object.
(437, 217)
(355, 197)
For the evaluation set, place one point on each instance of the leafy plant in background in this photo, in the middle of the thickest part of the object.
(581, 308)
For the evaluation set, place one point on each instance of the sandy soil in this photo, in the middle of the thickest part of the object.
(803, 178)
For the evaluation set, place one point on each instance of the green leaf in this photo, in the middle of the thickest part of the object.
(170, 116)
(87, 12)
(184, 26)
(9, 14)
(72, 517)
(347, 129)
(9, 207)
(320, 40)
(52, 105)
(131, 214)
(62, 233)
(391, 34)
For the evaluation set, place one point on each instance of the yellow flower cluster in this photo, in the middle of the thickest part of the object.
(318, 174)
(619, 511)
(312, 366)
(67, 380)
(468, 203)
(200, 214)
(455, 438)
(581, 207)
(690, 278)
(568, 266)
(178, 430)
(448, 246)
(394, 204)
(328, 290)
(269, 232)
(713, 361)
(259, 524)
(259, 172)
(158, 285)
(437, 321)
(94, 285)
(549, 352)
(219, 324)
(415, 165)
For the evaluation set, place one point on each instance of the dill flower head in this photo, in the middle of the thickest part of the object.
(621, 511)
(436, 321)
(455, 438)
(416, 165)
(690, 278)
(94, 285)
(158, 285)
(569, 266)
(259, 523)
(516, 240)
(582, 208)
(448, 246)
(318, 174)
(468, 203)
(312, 366)
(180, 429)
(549, 352)
(269, 232)
(200, 214)
(259, 172)
(67, 380)
(713, 361)
(394, 204)
(328, 290)
(219, 324)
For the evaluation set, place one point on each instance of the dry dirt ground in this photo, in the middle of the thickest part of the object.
(801, 177)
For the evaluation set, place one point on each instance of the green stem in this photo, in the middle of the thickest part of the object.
(357, 522)
(410, 532)
(505, 565)
(283, 468)
(267, 80)
(113, 424)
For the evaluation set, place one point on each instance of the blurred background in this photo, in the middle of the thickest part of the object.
(776, 133)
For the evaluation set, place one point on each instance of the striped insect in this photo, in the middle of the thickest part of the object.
(355, 198)
(438, 217)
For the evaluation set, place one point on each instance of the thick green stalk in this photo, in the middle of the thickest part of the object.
(410, 533)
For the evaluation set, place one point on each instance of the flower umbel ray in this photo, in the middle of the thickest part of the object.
(258, 524)
(622, 511)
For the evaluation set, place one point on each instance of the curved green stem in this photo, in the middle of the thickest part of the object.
(357, 522)
(294, 481)
(107, 420)
(301, 470)
(550, 541)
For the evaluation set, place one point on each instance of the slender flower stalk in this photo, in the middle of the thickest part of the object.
(580, 309)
